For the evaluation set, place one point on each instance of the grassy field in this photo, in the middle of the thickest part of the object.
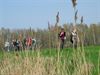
(51, 62)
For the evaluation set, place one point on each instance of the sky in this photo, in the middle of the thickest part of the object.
(17, 14)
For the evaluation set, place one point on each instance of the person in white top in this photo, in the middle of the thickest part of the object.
(74, 38)
(7, 45)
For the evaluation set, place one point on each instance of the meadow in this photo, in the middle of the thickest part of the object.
(68, 61)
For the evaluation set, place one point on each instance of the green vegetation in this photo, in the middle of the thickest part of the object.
(51, 62)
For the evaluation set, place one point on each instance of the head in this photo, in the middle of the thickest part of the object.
(74, 30)
(62, 29)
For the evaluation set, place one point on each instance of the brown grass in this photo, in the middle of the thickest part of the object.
(40, 65)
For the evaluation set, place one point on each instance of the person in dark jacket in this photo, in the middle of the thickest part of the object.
(62, 36)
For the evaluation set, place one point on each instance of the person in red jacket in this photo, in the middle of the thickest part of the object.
(29, 42)
(62, 36)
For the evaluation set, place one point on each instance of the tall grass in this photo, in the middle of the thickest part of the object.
(60, 63)
(99, 64)
(36, 63)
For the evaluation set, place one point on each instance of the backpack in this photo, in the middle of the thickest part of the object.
(71, 36)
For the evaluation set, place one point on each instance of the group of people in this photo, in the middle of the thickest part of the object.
(74, 39)
(26, 43)
(29, 43)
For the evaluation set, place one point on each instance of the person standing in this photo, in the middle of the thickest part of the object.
(62, 36)
(7, 45)
(29, 43)
(74, 38)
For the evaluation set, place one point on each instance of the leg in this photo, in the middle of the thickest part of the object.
(62, 44)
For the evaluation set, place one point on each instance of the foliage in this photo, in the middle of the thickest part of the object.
(44, 62)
